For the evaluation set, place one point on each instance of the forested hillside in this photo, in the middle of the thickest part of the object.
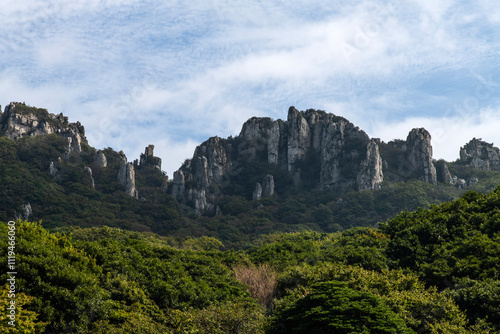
(428, 271)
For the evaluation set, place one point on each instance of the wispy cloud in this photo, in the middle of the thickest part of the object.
(139, 72)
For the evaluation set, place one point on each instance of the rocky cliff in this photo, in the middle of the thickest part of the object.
(126, 176)
(148, 158)
(410, 158)
(309, 145)
(479, 154)
(20, 120)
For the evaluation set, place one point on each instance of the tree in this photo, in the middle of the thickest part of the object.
(332, 307)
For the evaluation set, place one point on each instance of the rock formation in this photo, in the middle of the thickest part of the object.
(19, 120)
(53, 170)
(88, 171)
(126, 176)
(419, 155)
(148, 158)
(100, 159)
(268, 188)
(442, 172)
(329, 149)
(257, 193)
(410, 158)
(480, 155)
(371, 175)
(26, 211)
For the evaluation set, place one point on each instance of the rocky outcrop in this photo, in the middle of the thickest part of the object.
(148, 158)
(88, 171)
(126, 176)
(266, 189)
(257, 193)
(480, 155)
(20, 120)
(328, 150)
(53, 170)
(204, 173)
(371, 175)
(419, 155)
(26, 212)
(100, 159)
(410, 158)
(442, 172)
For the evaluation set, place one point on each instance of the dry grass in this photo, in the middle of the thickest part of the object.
(261, 282)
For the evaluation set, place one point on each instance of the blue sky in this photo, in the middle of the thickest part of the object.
(174, 73)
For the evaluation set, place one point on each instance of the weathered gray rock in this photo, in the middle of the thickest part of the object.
(419, 155)
(148, 158)
(100, 159)
(268, 187)
(371, 175)
(472, 181)
(257, 193)
(199, 199)
(461, 184)
(299, 136)
(19, 120)
(442, 172)
(341, 155)
(88, 171)
(26, 211)
(216, 164)
(53, 170)
(126, 176)
(480, 155)
(179, 186)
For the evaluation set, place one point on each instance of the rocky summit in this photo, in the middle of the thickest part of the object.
(20, 120)
(312, 147)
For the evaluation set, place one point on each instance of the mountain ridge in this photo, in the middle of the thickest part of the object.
(313, 157)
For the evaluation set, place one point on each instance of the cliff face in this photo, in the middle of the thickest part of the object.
(419, 155)
(19, 120)
(410, 158)
(344, 156)
(126, 176)
(480, 155)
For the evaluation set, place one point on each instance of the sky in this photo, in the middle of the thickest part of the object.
(174, 73)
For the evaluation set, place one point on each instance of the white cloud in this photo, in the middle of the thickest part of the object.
(139, 72)
(448, 134)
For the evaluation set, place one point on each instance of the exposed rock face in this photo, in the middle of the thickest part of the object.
(257, 193)
(126, 176)
(410, 158)
(19, 120)
(442, 172)
(480, 155)
(178, 187)
(52, 170)
(268, 189)
(26, 211)
(148, 158)
(100, 159)
(371, 175)
(88, 171)
(419, 155)
(265, 190)
(337, 154)
(205, 172)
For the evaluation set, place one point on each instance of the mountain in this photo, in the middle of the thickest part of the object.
(219, 262)
(314, 171)
(314, 149)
